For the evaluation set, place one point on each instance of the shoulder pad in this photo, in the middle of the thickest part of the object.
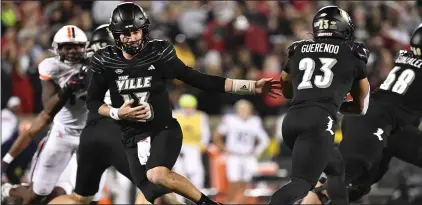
(164, 49)
(402, 53)
(361, 51)
(48, 67)
(96, 61)
(291, 48)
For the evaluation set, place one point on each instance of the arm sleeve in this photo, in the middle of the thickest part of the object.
(97, 86)
(286, 67)
(175, 68)
(362, 54)
(205, 130)
(263, 138)
(360, 70)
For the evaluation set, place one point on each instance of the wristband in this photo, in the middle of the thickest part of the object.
(243, 87)
(114, 113)
(8, 158)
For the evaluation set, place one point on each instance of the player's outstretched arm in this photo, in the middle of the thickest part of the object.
(360, 93)
(53, 99)
(39, 124)
(175, 68)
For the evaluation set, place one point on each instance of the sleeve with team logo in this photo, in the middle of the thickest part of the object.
(175, 68)
(362, 54)
(47, 70)
(97, 86)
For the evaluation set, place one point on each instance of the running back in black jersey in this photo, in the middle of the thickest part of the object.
(403, 85)
(323, 71)
(145, 77)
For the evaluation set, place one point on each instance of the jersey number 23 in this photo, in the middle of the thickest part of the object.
(321, 81)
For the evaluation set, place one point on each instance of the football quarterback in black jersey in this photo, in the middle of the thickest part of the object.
(100, 147)
(135, 71)
(318, 75)
(389, 129)
(91, 163)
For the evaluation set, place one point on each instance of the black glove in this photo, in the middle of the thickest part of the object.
(77, 81)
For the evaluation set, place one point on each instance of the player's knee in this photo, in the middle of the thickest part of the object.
(158, 175)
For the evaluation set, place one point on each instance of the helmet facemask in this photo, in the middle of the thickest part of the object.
(71, 52)
(125, 43)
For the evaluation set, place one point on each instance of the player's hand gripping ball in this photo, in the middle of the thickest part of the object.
(140, 113)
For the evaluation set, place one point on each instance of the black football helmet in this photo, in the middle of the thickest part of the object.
(331, 21)
(100, 38)
(128, 17)
(416, 41)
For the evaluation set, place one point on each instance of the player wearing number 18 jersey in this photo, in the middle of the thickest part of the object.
(389, 129)
(320, 72)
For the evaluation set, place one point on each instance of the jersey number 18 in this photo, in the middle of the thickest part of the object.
(403, 81)
(321, 81)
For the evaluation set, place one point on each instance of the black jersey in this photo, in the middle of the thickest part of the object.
(92, 115)
(323, 71)
(144, 76)
(403, 85)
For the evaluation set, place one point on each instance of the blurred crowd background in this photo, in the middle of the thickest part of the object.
(236, 39)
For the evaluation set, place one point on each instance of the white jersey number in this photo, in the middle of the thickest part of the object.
(242, 138)
(403, 81)
(321, 81)
(142, 96)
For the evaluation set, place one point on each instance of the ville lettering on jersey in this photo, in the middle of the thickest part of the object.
(415, 62)
(126, 83)
(133, 79)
